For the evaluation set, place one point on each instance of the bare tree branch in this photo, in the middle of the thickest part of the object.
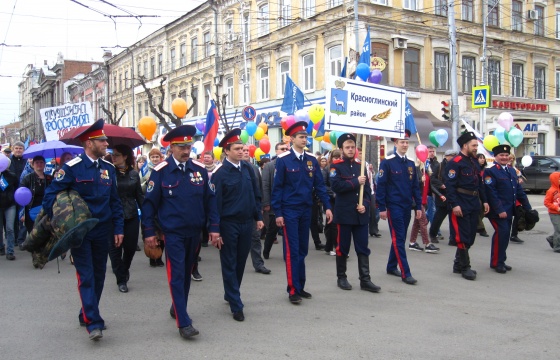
(151, 102)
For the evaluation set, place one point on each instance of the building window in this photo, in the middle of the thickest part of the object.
(229, 30)
(335, 60)
(516, 15)
(120, 82)
(441, 71)
(263, 20)
(309, 72)
(382, 50)
(494, 13)
(146, 108)
(229, 91)
(540, 92)
(284, 72)
(539, 23)
(183, 55)
(160, 64)
(152, 67)
(146, 68)
(194, 50)
(333, 3)
(467, 10)
(380, 2)
(245, 24)
(263, 84)
(172, 59)
(441, 7)
(206, 96)
(206, 38)
(195, 107)
(412, 68)
(139, 109)
(308, 8)
(411, 4)
(245, 90)
(558, 25)
(284, 9)
(126, 83)
(517, 80)
(468, 70)
(139, 69)
(557, 84)
(494, 77)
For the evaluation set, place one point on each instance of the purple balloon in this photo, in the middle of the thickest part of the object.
(4, 162)
(375, 77)
(200, 125)
(23, 196)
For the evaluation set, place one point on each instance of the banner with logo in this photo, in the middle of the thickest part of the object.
(58, 120)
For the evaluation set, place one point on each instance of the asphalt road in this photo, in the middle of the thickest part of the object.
(498, 316)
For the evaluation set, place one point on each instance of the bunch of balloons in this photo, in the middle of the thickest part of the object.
(438, 137)
(365, 74)
(506, 132)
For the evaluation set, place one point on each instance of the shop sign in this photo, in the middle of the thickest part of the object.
(516, 105)
(530, 130)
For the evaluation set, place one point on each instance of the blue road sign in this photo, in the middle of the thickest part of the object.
(481, 97)
(249, 113)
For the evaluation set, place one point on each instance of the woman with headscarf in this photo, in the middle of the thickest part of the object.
(37, 182)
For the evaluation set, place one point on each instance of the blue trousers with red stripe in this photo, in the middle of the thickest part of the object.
(180, 253)
(399, 219)
(500, 241)
(237, 239)
(345, 234)
(296, 246)
(465, 228)
(90, 261)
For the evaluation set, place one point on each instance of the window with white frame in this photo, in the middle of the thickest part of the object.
(160, 64)
(467, 10)
(540, 82)
(308, 72)
(558, 25)
(517, 15)
(263, 20)
(410, 4)
(494, 13)
(229, 91)
(308, 8)
(126, 83)
(557, 84)
(183, 56)
(195, 106)
(264, 84)
(441, 7)
(245, 24)
(333, 3)
(245, 90)
(146, 108)
(283, 73)
(380, 2)
(494, 77)
(468, 72)
(139, 109)
(285, 12)
(335, 60)
(206, 96)
(441, 71)
(153, 67)
(172, 58)
(229, 30)
(146, 69)
(539, 23)
(120, 82)
(139, 69)
(412, 68)
(517, 80)
(194, 50)
(206, 38)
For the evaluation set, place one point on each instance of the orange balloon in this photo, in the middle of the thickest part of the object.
(327, 137)
(263, 126)
(147, 127)
(179, 107)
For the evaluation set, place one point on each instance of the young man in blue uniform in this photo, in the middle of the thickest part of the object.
(175, 183)
(95, 180)
(351, 219)
(502, 191)
(238, 200)
(297, 174)
(465, 191)
(397, 186)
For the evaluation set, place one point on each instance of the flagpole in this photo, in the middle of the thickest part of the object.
(362, 169)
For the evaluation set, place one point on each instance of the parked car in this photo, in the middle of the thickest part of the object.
(538, 173)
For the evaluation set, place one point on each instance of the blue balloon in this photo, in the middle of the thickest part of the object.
(500, 133)
(309, 141)
(310, 127)
(216, 142)
(251, 128)
(362, 70)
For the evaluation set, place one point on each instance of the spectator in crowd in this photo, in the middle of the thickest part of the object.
(331, 230)
(552, 202)
(8, 212)
(514, 231)
(155, 157)
(37, 182)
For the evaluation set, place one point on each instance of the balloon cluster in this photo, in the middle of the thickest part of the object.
(504, 133)
(365, 74)
(313, 116)
(438, 137)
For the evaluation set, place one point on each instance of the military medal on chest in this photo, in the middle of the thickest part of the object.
(104, 174)
(196, 178)
(410, 171)
(310, 166)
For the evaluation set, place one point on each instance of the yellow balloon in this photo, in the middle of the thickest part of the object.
(313, 133)
(490, 142)
(147, 127)
(263, 126)
(258, 154)
(319, 138)
(316, 113)
(259, 133)
(179, 107)
(217, 152)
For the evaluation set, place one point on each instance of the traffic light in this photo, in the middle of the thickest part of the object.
(446, 109)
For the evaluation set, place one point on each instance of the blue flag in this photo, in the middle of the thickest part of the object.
(293, 98)
(343, 72)
(409, 119)
(365, 56)
(26, 144)
(144, 168)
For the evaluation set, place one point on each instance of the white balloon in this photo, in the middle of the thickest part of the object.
(326, 145)
(526, 160)
(198, 147)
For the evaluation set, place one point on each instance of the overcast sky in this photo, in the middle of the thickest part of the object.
(37, 30)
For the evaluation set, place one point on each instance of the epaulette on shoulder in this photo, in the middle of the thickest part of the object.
(392, 156)
(457, 158)
(216, 168)
(74, 161)
(338, 161)
(284, 154)
(110, 163)
(160, 166)
(198, 163)
(310, 154)
(357, 160)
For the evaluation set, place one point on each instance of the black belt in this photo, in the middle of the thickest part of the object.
(468, 192)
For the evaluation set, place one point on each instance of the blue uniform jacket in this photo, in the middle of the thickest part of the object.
(502, 190)
(294, 181)
(343, 175)
(397, 184)
(181, 201)
(464, 172)
(238, 197)
(97, 187)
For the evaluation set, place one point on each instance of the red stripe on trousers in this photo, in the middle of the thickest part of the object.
(86, 320)
(168, 267)
(338, 253)
(495, 243)
(394, 243)
(460, 244)
(288, 263)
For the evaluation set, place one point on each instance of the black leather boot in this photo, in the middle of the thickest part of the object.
(342, 281)
(365, 279)
(466, 270)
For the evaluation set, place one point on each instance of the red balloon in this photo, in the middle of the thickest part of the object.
(283, 123)
(264, 144)
(252, 149)
(290, 120)
(422, 152)
(162, 142)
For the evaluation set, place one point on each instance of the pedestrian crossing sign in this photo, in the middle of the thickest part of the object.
(481, 96)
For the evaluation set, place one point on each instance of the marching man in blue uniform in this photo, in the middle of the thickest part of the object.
(465, 191)
(95, 180)
(397, 187)
(180, 197)
(502, 191)
(351, 218)
(297, 174)
(238, 200)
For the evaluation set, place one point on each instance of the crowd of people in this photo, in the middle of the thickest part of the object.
(182, 202)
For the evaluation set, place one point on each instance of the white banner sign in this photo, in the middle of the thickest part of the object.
(364, 108)
(58, 120)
